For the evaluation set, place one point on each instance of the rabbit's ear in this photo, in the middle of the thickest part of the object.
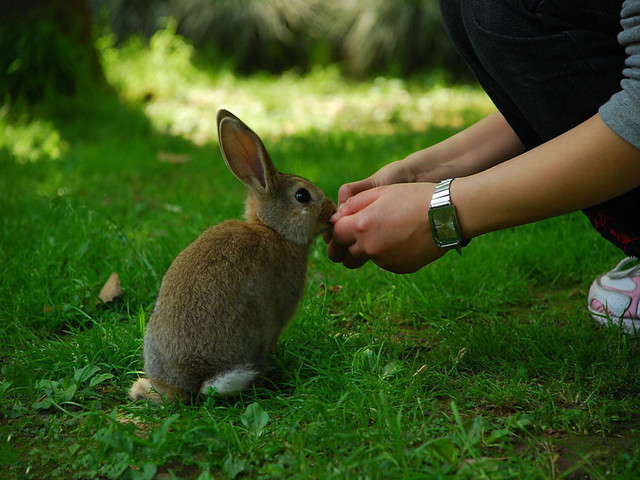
(244, 152)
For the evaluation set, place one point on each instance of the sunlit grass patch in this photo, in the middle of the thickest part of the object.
(181, 98)
(30, 140)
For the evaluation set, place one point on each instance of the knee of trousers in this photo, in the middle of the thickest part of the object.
(555, 69)
(506, 42)
(506, 34)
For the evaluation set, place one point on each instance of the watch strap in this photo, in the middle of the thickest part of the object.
(441, 206)
(442, 195)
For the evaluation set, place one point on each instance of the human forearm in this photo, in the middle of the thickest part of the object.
(585, 166)
(480, 146)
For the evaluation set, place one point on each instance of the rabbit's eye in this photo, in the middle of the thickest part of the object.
(303, 195)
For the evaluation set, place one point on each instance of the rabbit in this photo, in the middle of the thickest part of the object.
(225, 300)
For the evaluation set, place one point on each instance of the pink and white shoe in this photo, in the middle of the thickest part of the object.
(614, 298)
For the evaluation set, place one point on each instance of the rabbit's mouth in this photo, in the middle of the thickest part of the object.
(327, 233)
(325, 228)
(328, 209)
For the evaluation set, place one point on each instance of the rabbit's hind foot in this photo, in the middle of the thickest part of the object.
(155, 392)
(230, 382)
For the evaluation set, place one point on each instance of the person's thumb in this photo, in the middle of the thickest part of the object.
(348, 190)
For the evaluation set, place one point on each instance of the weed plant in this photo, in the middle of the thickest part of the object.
(480, 366)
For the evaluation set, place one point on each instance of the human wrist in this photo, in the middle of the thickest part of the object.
(483, 145)
(473, 208)
(563, 175)
(447, 159)
(443, 220)
(429, 165)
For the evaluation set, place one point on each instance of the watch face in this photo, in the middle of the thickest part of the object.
(444, 225)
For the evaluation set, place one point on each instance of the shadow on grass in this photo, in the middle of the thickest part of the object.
(90, 187)
(106, 192)
(76, 194)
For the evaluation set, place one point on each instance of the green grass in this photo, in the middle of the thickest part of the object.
(480, 366)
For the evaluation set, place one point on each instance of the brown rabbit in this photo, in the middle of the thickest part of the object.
(228, 296)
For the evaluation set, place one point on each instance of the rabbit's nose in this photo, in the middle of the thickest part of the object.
(328, 209)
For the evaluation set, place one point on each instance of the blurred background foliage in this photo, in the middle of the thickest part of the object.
(365, 37)
(46, 48)
(46, 44)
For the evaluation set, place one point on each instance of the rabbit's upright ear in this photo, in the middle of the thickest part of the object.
(244, 152)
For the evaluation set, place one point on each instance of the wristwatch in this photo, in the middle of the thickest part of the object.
(443, 220)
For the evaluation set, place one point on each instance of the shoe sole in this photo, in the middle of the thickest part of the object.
(627, 325)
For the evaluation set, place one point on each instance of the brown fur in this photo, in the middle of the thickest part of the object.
(228, 296)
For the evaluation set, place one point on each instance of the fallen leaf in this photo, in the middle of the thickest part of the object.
(173, 158)
(331, 289)
(111, 290)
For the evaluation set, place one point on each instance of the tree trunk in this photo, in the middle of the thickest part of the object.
(46, 48)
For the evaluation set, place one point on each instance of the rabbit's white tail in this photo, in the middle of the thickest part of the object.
(230, 382)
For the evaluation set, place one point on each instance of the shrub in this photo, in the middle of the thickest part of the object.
(397, 36)
(366, 37)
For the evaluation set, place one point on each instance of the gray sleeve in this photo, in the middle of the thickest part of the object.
(622, 112)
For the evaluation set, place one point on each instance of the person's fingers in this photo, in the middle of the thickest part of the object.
(336, 251)
(354, 205)
(344, 246)
(342, 254)
(347, 226)
(353, 262)
(327, 236)
(348, 190)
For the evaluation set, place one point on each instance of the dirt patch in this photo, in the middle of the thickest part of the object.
(576, 457)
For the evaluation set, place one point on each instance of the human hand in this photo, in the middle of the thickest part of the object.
(388, 225)
(394, 172)
(420, 166)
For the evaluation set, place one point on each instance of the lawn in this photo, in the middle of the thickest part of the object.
(480, 366)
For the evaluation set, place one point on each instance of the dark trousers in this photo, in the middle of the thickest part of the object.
(548, 65)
